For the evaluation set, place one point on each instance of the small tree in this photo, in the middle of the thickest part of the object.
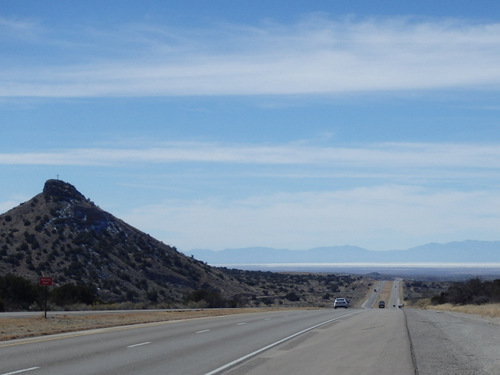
(69, 294)
(16, 293)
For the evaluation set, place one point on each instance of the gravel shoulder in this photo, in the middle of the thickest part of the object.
(455, 344)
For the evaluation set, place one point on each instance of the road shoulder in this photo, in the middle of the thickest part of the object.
(449, 344)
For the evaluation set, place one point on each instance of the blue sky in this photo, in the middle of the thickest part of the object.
(288, 124)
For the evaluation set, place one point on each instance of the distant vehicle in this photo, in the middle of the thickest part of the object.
(340, 302)
(381, 305)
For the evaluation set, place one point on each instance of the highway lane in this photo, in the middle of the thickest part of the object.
(189, 347)
(374, 342)
(373, 297)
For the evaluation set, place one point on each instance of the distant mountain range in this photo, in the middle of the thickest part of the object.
(453, 252)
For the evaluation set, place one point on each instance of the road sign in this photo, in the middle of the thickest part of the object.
(46, 281)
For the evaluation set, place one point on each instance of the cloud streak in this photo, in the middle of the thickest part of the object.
(315, 56)
(387, 155)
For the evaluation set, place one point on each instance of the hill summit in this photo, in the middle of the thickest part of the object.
(62, 234)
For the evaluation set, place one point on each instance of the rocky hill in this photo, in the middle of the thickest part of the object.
(62, 234)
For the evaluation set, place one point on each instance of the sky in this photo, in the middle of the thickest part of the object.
(285, 124)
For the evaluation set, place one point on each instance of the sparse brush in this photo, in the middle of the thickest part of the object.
(491, 310)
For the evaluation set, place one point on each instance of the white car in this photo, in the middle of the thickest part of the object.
(340, 302)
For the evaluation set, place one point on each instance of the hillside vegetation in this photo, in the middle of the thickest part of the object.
(471, 292)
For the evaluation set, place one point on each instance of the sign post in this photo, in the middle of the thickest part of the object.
(45, 282)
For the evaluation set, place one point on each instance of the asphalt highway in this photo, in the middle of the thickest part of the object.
(197, 346)
(324, 341)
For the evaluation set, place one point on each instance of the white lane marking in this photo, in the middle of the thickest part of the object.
(241, 324)
(267, 319)
(20, 371)
(141, 344)
(245, 357)
(203, 331)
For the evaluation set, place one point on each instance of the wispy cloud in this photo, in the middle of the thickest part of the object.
(312, 57)
(463, 165)
(481, 156)
(17, 28)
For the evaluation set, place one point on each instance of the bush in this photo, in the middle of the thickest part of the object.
(16, 293)
(69, 294)
(470, 292)
(212, 298)
(292, 296)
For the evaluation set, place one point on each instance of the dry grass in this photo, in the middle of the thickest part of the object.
(488, 310)
(14, 328)
(421, 303)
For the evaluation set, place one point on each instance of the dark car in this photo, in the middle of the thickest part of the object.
(381, 305)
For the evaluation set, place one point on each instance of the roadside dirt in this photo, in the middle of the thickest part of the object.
(15, 328)
(490, 311)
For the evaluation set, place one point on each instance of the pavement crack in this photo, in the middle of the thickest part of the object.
(412, 350)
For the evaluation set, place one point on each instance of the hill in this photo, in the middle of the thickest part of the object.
(62, 234)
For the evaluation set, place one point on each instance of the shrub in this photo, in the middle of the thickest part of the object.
(292, 296)
(212, 298)
(17, 292)
(473, 291)
(69, 294)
